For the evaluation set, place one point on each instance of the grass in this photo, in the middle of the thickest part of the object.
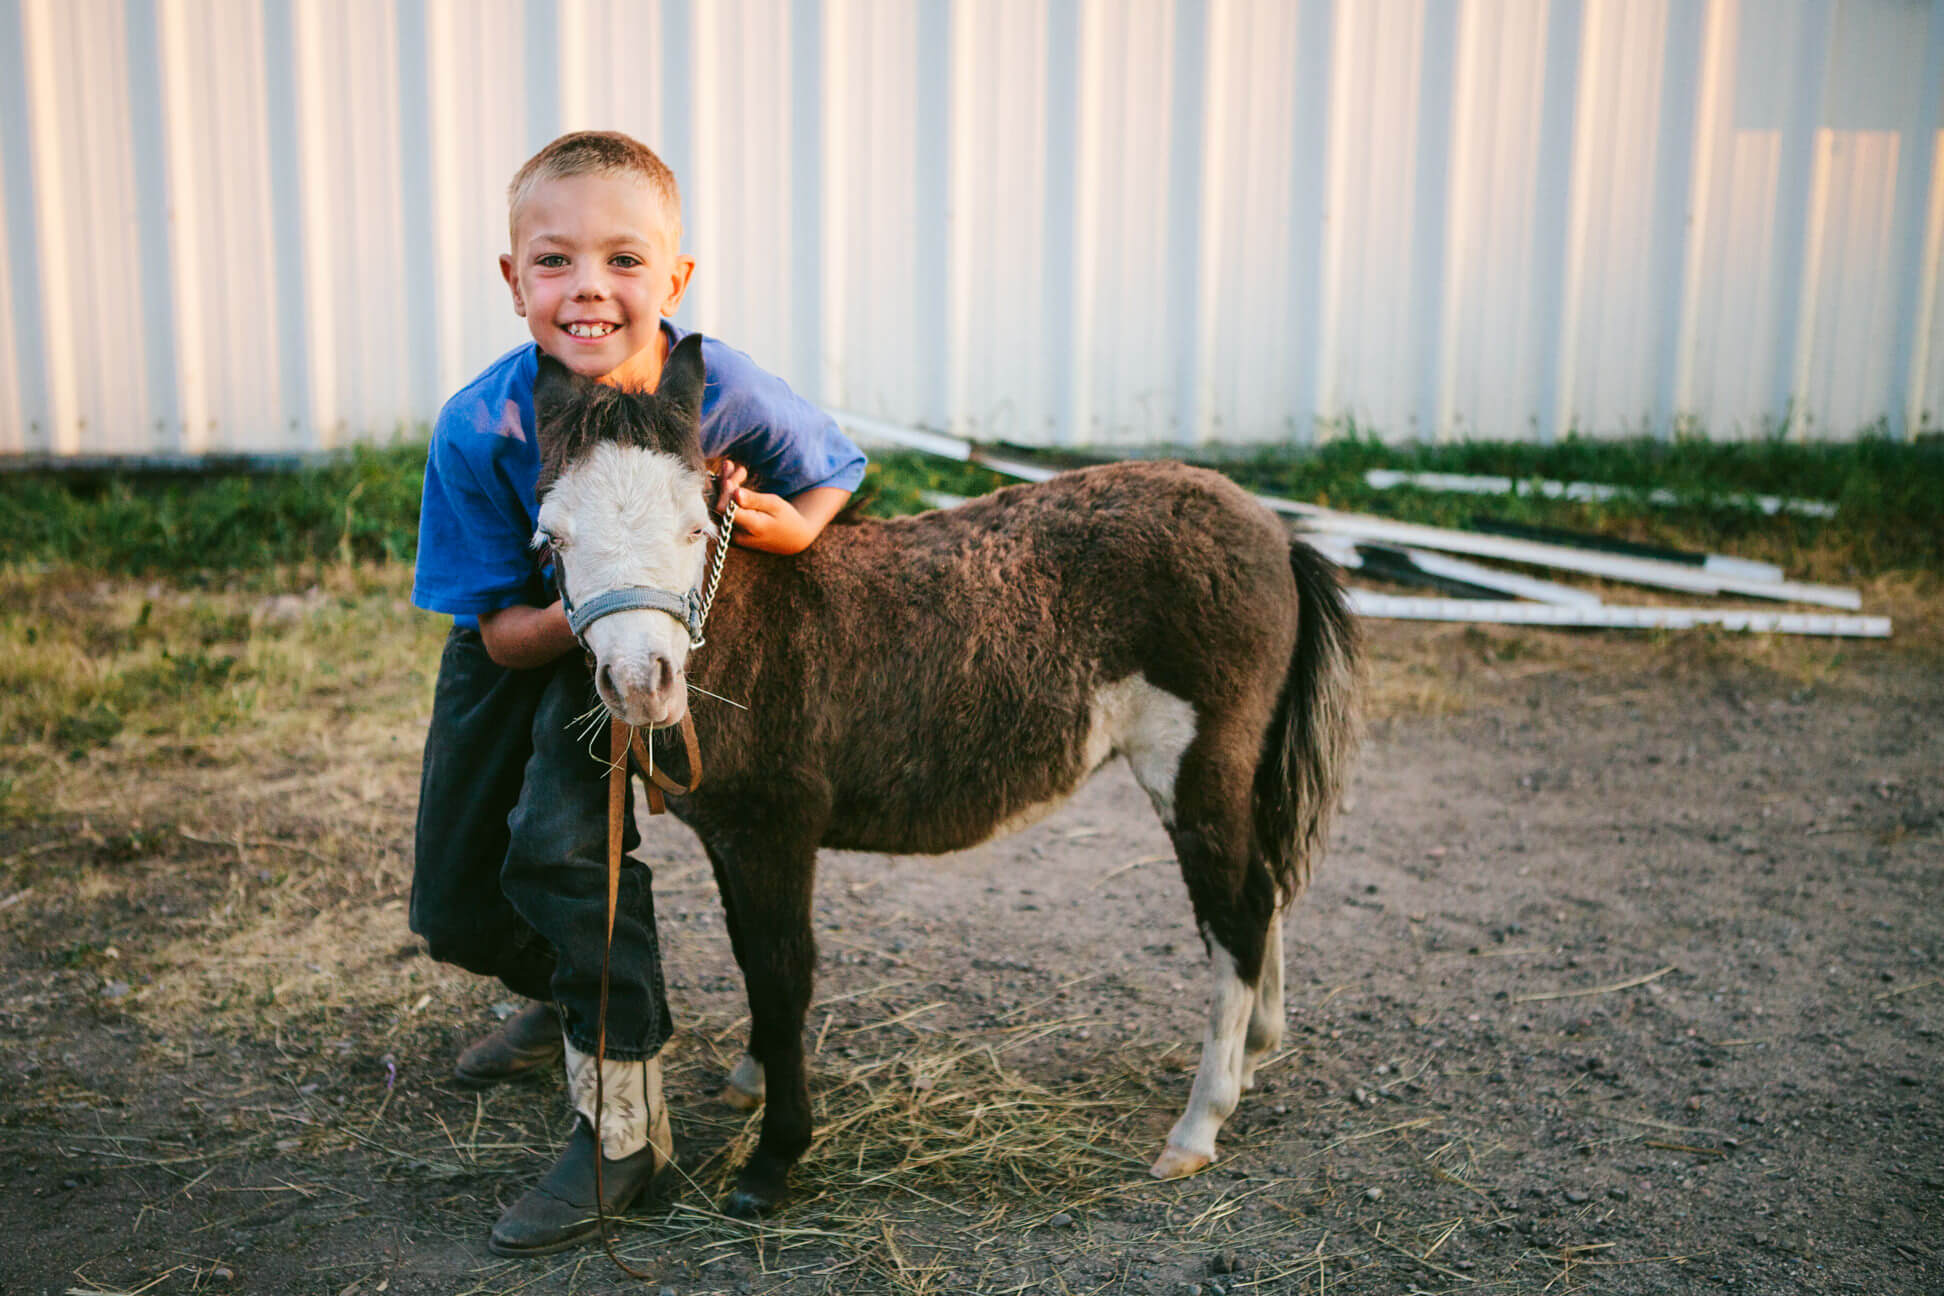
(232, 613)
(362, 507)
(191, 676)
(280, 530)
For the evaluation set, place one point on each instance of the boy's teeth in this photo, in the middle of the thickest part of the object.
(590, 330)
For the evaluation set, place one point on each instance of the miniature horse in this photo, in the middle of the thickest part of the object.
(923, 683)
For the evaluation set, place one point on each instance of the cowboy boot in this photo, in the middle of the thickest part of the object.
(526, 1044)
(634, 1149)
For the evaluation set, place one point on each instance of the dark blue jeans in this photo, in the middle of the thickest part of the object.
(509, 874)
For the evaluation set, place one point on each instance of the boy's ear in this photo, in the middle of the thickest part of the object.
(682, 379)
(553, 387)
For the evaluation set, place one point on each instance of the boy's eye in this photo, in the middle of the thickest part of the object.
(625, 261)
(550, 260)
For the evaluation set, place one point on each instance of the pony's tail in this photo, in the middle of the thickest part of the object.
(1307, 751)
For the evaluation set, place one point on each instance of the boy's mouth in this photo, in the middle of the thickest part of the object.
(590, 329)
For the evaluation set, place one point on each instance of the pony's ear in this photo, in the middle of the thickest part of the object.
(553, 387)
(682, 379)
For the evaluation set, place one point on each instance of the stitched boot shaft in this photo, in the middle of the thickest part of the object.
(526, 1044)
(633, 1115)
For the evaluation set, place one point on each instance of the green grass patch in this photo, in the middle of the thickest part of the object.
(362, 507)
(280, 530)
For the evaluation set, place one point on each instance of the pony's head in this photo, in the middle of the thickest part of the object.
(624, 506)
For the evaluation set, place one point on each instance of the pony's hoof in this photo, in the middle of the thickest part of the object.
(741, 1099)
(745, 1205)
(1178, 1163)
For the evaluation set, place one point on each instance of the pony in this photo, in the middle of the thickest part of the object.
(920, 684)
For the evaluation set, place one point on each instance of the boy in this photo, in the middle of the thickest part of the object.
(510, 874)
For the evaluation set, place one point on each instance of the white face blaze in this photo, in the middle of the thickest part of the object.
(625, 516)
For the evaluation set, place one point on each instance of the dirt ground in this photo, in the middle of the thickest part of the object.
(1622, 975)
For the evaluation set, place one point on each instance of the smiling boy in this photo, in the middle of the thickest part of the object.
(510, 861)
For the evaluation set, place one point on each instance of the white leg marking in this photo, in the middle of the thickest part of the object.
(1266, 1017)
(744, 1091)
(1152, 728)
(1191, 1143)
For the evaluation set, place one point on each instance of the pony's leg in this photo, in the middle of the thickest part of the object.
(1235, 900)
(1218, 1080)
(771, 889)
(744, 1089)
(1266, 1015)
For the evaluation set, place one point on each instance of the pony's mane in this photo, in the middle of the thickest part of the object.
(575, 414)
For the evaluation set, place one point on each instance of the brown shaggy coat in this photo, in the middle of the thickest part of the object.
(913, 684)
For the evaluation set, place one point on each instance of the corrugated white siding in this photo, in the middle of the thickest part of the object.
(267, 225)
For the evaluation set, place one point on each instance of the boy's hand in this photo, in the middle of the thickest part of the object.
(772, 523)
(729, 476)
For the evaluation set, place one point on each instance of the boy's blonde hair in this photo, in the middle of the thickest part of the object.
(596, 153)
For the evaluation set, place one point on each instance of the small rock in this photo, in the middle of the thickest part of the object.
(118, 989)
(1060, 1220)
(1373, 1194)
(1576, 1197)
(1618, 1194)
(221, 1274)
(1905, 1079)
(70, 1183)
(1226, 1262)
(668, 1291)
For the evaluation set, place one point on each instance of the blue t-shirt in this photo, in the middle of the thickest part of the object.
(479, 512)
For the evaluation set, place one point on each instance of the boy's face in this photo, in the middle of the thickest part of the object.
(594, 267)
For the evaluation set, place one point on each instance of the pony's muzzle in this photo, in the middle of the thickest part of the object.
(648, 691)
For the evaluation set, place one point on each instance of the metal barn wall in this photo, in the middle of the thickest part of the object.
(272, 225)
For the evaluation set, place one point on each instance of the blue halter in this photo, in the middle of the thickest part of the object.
(687, 608)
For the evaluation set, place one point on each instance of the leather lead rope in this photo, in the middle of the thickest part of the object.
(622, 739)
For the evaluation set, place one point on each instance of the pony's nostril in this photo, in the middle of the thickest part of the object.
(604, 678)
(664, 674)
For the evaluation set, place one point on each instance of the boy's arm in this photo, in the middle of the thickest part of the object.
(772, 523)
(523, 638)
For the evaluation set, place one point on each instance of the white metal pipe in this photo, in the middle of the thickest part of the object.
(1525, 587)
(1596, 492)
(1396, 607)
(1619, 567)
